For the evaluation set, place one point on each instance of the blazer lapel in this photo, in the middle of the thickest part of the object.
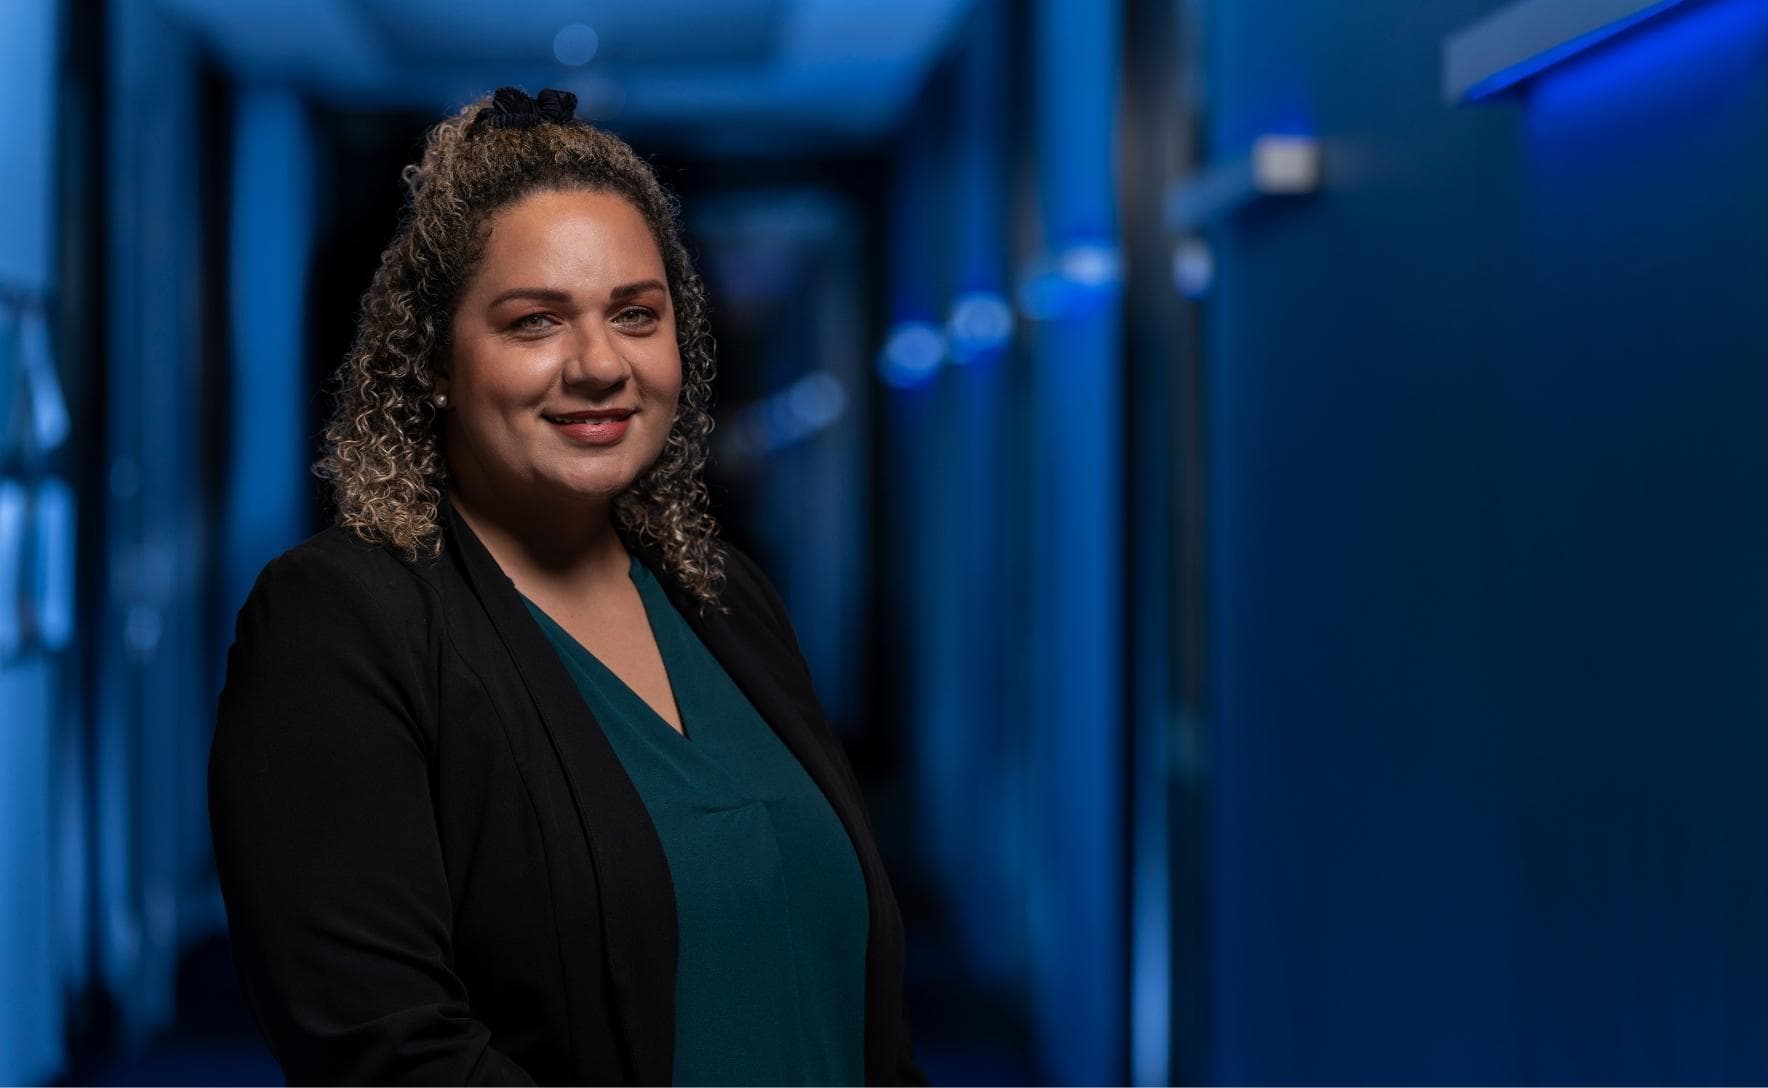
(635, 893)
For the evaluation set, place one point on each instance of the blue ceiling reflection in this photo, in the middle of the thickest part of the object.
(722, 75)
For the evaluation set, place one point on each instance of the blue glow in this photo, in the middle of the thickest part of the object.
(1092, 265)
(912, 354)
(575, 45)
(49, 423)
(12, 561)
(981, 324)
(1509, 77)
(1673, 74)
(816, 401)
(1079, 281)
(802, 410)
(53, 579)
(1193, 267)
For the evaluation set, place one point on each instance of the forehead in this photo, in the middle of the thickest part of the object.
(560, 237)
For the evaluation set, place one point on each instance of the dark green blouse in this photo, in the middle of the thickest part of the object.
(770, 904)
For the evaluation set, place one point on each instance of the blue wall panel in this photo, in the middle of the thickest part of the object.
(1486, 589)
(270, 235)
(33, 709)
(30, 1032)
(1074, 457)
(154, 706)
(980, 562)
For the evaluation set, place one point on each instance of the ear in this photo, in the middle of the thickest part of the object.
(439, 377)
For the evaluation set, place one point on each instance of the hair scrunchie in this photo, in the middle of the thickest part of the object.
(512, 108)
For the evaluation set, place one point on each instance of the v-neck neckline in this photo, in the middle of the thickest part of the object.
(637, 574)
(637, 938)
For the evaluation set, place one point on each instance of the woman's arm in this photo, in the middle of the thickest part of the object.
(325, 840)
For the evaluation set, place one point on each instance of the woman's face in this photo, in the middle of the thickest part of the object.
(564, 375)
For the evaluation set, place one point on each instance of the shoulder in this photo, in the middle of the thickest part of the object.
(333, 629)
(336, 593)
(336, 566)
(748, 592)
(740, 568)
(331, 672)
(746, 585)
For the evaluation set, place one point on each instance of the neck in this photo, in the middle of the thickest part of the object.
(542, 545)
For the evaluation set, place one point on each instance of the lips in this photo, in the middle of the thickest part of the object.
(596, 415)
(596, 427)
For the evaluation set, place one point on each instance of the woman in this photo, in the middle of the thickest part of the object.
(518, 774)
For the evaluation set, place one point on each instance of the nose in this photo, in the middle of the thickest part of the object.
(593, 362)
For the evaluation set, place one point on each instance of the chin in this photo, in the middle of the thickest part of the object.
(593, 480)
(593, 487)
(591, 494)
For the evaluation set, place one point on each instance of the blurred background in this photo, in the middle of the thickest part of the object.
(1272, 494)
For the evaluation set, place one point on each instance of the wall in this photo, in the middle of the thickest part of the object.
(1486, 586)
(1000, 540)
(32, 666)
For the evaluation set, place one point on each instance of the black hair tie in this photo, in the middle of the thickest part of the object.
(512, 108)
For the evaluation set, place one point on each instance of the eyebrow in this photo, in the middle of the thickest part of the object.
(626, 291)
(554, 295)
(538, 294)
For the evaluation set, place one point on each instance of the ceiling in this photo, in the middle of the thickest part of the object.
(725, 75)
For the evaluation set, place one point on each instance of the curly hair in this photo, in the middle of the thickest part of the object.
(383, 451)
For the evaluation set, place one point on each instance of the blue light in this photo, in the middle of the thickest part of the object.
(1092, 265)
(575, 45)
(1076, 282)
(1509, 77)
(1675, 72)
(53, 588)
(801, 411)
(981, 324)
(12, 562)
(815, 402)
(911, 355)
(50, 425)
(1193, 267)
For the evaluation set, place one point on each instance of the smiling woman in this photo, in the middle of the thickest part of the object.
(519, 774)
(563, 372)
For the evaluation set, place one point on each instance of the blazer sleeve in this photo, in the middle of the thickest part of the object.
(325, 840)
(908, 1071)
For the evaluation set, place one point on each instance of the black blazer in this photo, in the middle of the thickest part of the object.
(434, 866)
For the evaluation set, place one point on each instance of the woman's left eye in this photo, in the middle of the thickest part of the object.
(635, 314)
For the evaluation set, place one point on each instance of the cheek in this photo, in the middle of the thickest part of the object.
(491, 380)
(666, 376)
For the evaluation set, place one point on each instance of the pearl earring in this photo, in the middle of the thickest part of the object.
(440, 400)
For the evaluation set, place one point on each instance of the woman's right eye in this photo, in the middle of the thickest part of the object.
(533, 322)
